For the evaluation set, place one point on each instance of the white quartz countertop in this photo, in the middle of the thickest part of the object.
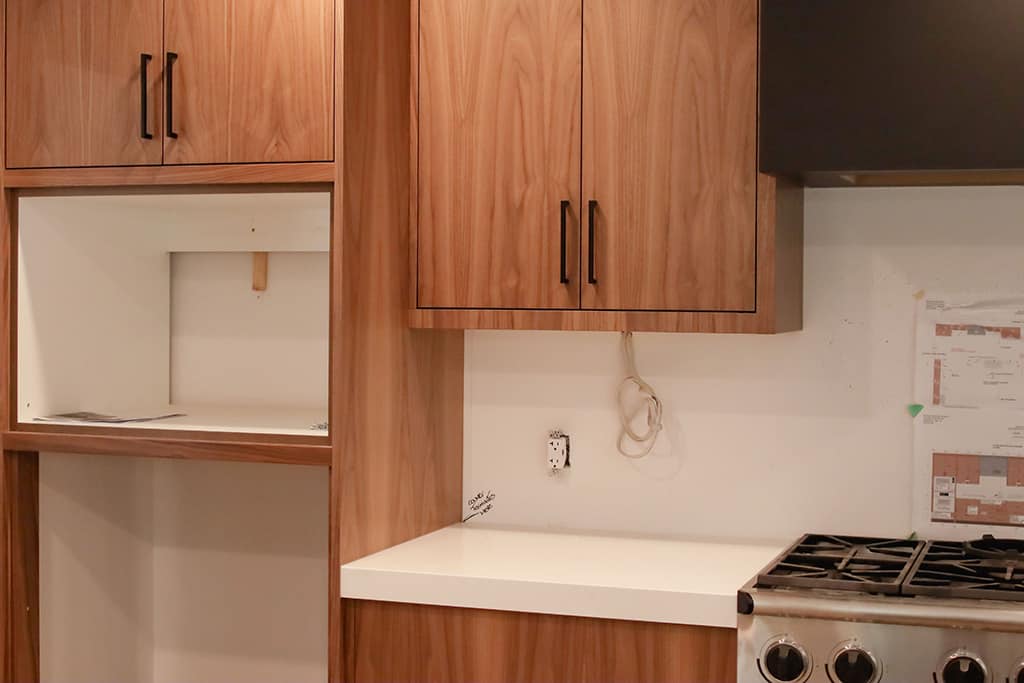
(612, 577)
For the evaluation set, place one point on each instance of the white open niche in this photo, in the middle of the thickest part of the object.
(143, 305)
(155, 570)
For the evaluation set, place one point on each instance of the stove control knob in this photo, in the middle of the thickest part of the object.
(1018, 673)
(963, 667)
(853, 664)
(784, 661)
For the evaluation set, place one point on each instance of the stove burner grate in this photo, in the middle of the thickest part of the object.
(988, 569)
(849, 563)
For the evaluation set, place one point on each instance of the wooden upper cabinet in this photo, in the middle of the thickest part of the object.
(669, 154)
(640, 118)
(74, 85)
(499, 153)
(252, 81)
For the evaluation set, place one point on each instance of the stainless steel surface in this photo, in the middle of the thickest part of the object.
(949, 632)
(907, 654)
(992, 615)
(1018, 672)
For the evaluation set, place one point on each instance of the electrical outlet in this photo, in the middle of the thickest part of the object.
(558, 450)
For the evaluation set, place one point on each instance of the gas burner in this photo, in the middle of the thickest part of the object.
(848, 563)
(997, 548)
(891, 610)
(989, 569)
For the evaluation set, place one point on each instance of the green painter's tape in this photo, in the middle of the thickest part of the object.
(915, 409)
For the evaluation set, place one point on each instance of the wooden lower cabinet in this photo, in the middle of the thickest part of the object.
(402, 643)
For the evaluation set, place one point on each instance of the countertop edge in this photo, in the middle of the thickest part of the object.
(410, 573)
(601, 602)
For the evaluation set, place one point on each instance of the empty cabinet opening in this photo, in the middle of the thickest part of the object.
(162, 571)
(201, 312)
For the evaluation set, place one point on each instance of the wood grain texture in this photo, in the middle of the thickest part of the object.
(499, 150)
(779, 288)
(8, 298)
(719, 248)
(260, 261)
(336, 357)
(19, 567)
(398, 392)
(73, 75)
(179, 445)
(669, 153)
(400, 643)
(253, 81)
(144, 176)
(8, 277)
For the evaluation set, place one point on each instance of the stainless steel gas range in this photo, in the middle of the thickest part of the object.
(841, 609)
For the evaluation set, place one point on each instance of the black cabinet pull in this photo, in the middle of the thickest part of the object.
(564, 265)
(591, 211)
(172, 57)
(144, 61)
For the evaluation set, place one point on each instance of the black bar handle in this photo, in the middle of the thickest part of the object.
(564, 264)
(172, 57)
(591, 211)
(144, 61)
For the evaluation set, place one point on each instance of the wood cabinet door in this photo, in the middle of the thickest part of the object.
(252, 81)
(499, 98)
(670, 90)
(74, 82)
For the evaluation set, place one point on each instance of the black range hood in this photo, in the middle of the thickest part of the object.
(890, 92)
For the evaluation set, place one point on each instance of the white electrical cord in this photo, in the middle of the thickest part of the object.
(645, 442)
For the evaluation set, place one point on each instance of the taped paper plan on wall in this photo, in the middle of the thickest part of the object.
(969, 439)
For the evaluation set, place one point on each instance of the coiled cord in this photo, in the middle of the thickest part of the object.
(643, 443)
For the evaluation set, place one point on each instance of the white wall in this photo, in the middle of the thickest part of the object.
(767, 437)
(92, 308)
(221, 330)
(164, 571)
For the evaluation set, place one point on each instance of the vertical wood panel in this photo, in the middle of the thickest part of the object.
(8, 201)
(499, 150)
(19, 567)
(389, 642)
(73, 76)
(670, 153)
(400, 390)
(19, 471)
(396, 393)
(253, 80)
(336, 357)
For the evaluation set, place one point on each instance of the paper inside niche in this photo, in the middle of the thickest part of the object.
(87, 417)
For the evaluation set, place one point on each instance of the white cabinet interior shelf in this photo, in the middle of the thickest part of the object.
(144, 305)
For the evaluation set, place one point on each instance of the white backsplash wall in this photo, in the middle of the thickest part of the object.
(766, 437)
